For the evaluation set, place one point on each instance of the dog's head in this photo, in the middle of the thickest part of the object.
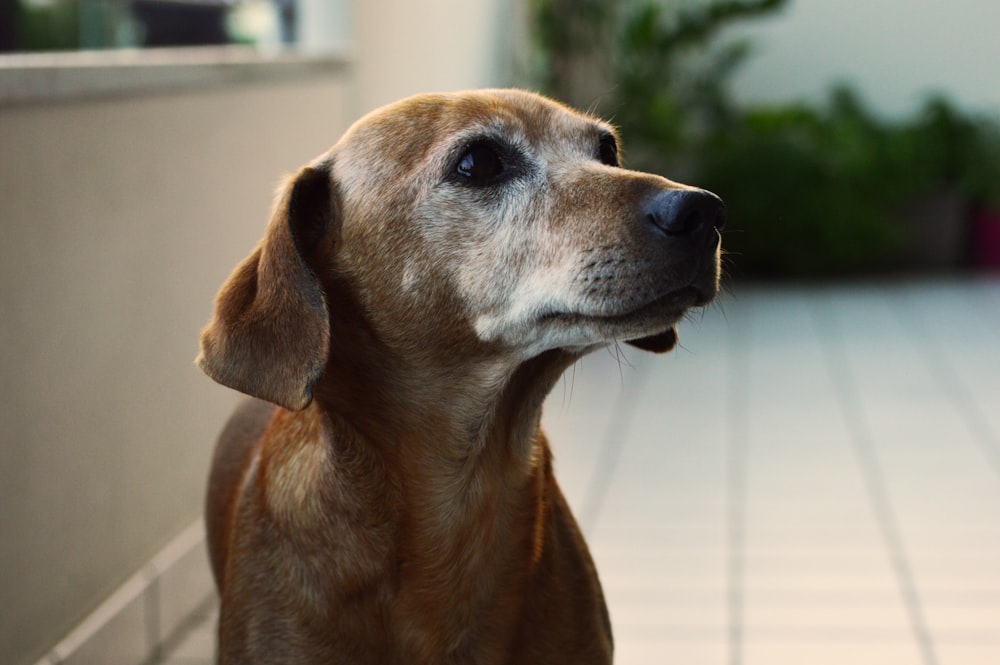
(488, 224)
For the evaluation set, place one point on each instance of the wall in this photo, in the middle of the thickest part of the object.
(120, 219)
(895, 51)
(404, 47)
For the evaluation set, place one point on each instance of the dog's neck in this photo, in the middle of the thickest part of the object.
(467, 491)
(445, 388)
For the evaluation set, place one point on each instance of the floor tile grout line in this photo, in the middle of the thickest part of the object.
(613, 442)
(737, 448)
(933, 352)
(832, 345)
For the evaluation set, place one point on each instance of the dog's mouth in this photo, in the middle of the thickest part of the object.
(677, 304)
(650, 327)
(659, 343)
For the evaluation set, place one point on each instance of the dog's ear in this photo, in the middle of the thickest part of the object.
(270, 333)
(660, 343)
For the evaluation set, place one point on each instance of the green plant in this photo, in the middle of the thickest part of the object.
(48, 27)
(955, 149)
(803, 190)
(654, 67)
(834, 190)
(671, 74)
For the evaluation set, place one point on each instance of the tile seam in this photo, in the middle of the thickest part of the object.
(864, 446)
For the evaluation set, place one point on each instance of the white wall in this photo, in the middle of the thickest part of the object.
(894, 51)
(405, 47)
(119, 220)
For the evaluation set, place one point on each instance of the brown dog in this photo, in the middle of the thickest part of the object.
(419, 290)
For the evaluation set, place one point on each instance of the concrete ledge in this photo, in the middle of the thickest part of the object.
(47, 77)
(143, 614)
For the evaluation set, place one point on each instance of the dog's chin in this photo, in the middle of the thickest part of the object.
(668, 310)
(659, 343)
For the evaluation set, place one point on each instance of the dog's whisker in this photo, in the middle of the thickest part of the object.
(569, 378)
(572, 378)
(614, 350)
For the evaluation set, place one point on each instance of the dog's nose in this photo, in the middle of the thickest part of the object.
(683, 212)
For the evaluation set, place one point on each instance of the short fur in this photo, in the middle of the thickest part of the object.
(398, 504)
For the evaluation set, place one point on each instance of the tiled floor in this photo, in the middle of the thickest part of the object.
(812, 478)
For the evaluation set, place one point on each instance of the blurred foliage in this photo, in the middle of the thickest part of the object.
(836, 190)
(801, 192)
(50, 26)
(663, 67)
(667, 64)
(812, 190)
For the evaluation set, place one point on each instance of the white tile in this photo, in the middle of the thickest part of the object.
(576, 416)
(797, 595)
(856, 567)
(969, 654)
(662, 614)
(828, 585)
(184, 579)
(663, 573)
(976, 567)
(199, 643)
(975, 625)
(693, 536)
(658, 652)
(47, 659)
(879, 621)
(117, 633)
(805, 536)
(836, 650)
(958, 537)
(670, 634)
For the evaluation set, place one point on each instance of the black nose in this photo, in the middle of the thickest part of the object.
(682, 212)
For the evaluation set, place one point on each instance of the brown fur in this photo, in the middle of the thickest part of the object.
(398, 505)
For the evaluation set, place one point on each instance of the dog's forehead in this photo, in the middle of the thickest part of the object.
(413, 127)
(538, 120)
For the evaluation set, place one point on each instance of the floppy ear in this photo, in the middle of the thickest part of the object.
(270, 333)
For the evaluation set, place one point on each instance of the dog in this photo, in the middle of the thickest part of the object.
(386, 495)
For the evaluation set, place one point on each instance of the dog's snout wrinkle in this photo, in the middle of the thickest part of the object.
(686, 212)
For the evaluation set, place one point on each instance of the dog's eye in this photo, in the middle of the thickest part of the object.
(480, 164)
(607, 150)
